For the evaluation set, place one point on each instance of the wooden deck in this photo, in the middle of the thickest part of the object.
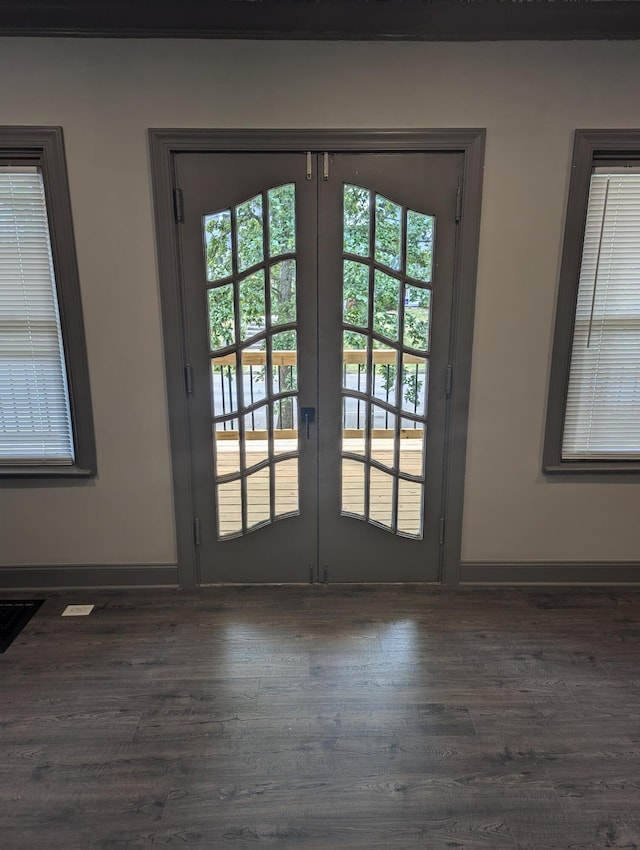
(410, 501)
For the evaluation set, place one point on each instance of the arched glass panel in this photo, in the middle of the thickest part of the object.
(253, 340)
(388, 297)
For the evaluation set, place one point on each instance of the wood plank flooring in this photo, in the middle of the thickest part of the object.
(333, 718)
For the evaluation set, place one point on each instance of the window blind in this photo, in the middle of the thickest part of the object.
(602, 417)
(35, 420)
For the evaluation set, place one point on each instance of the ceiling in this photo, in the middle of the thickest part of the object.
(413, 20)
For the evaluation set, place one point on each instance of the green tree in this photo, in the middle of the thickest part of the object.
(387, 291)
(387, 248)
(252, 296)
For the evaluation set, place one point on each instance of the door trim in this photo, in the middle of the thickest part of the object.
(164, 144)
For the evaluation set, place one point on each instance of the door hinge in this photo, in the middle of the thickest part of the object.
(459, 203)
(325, 166)
(449, 384)
(178, 205)
(442, 531)
(188, 378)
(311, 575)
(309, 165)
(196, 531)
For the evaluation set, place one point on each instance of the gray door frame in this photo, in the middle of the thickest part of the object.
(165, 144)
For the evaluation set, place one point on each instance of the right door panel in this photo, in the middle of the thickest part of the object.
(387, 230)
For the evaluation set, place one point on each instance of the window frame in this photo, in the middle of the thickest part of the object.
(591, 148)
(44, 147)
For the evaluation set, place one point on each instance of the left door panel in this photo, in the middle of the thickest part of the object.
(249, 278)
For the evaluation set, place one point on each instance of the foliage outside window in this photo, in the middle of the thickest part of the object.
(264, 263)
(218, 258)
(402, 243)
(391, 247)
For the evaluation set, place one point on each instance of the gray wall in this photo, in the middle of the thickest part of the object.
(529, 96)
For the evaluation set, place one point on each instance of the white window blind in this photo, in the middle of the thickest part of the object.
(602, 418)
(35, 421)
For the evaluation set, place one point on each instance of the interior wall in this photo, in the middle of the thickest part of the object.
(530, 97)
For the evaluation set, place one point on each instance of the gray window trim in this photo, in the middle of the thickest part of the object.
(591, 148)
(166, 143)
(44, 146)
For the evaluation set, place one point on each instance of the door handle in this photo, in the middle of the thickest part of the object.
(308, 417)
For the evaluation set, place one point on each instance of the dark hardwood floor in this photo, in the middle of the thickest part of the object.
(324, 717)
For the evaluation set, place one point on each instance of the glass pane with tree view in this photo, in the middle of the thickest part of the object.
(254, 379)
(388, 298)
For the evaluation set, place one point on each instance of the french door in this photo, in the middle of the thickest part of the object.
(317, 293)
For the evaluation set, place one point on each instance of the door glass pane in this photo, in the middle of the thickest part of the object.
(251, 298)
(381, 498)
(283, 292)
(256, 436)
(415, 378)
(254, 386)
(229, 509)
(355, 294)
(284, 359)
(249, 233)
(354, 375)
(417, 317)
(242, 389)
(257, 449)
(221, 317)
(286, 487)
(354, 424)
(224, 396)
(217, 241)
(419, 245)
(388, 233)
(258, 498)
(353, 486)
(226, 450)
(412, 447)
(357, 203)
(383, 381)
(403, 243)
(381, 418)
(410, 517)
(383, 437)
(354, 361)
(386, 301)
(282, 220)
(285, 425)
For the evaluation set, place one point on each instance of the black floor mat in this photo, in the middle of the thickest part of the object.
(14, 616)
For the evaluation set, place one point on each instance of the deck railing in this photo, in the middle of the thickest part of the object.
(382, 386)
